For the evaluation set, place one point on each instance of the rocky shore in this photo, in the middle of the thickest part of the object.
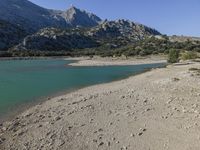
(118, 61)
(156, 110)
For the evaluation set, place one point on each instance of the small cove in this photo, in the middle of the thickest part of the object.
(25, 82)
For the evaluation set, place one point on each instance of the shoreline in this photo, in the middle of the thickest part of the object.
(14, 112)
(86, 61)
(125, 114)
(118, 61)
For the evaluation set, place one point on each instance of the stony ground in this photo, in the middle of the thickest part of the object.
(108, 61)
(157, 110)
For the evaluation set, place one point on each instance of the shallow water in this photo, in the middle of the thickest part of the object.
(26, 81)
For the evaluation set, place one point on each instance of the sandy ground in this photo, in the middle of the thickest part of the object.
(107, 61)
(156, 110)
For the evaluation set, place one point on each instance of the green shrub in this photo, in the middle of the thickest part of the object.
(173, 56)
(189, 55)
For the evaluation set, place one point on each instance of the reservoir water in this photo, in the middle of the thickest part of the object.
(26, 81)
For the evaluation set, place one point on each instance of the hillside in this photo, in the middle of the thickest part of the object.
(33, 17)
(53, 39)
(113, 33)
(10, 34)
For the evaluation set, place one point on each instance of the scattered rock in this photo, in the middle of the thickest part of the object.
(122, 97)
(148, 109)
(57, 118)
(100, 130)
(145, 101)
(100, 144)
(124, 148)
(175, 79)
(140, 133)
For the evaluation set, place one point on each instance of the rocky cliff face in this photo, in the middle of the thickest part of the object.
(53, 39)
(76, 17)
(122, 29)
(115, 33)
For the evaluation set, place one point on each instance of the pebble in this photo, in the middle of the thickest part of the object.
(61, 143)
(140, 133)
(70, 127)
(57, 118)
(122, 97)
(39, 126)
(100, 130)
(78, 134)
(100, 144)
(124, 148)
(148, 109)
(145, 101)
(4, 128)
(62, 99)
(91, 120)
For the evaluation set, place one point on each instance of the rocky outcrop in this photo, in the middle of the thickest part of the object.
(115, 33)
(76, 17)
(52, 39)
(122, 29)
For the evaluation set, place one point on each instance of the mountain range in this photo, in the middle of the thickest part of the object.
(25, 26)
(33, 17)
(26, 18)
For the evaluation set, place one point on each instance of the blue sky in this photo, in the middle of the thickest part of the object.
(180, 17)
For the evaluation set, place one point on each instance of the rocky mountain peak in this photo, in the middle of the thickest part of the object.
(77, 17)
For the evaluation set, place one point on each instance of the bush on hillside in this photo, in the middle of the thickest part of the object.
(173, 56)
(189, 55)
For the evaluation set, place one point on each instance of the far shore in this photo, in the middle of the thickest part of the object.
(158, 109)
(117, 61)
(100, 61)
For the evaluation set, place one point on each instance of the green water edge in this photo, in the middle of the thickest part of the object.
(24, 83)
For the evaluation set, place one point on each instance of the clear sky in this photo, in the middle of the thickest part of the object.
(180, 17)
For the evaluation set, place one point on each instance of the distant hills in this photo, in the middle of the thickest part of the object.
(28, 29)
(33, 17)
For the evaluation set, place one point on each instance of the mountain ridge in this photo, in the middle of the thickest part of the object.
(30, 18)
(113, 33)
(33, 17)
(30, 30)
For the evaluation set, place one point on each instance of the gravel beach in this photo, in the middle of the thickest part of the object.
(156, 110)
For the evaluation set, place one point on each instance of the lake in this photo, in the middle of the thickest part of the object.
(26, 81)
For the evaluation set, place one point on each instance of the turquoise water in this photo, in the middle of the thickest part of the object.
(25, 81)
